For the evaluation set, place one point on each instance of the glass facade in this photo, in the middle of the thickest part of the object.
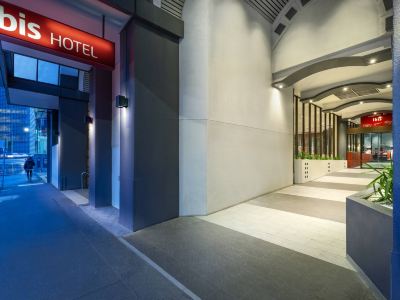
(315, 132)
(15, 127)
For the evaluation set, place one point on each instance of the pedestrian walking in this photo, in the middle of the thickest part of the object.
(28, 167)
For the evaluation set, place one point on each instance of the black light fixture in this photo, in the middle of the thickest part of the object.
(121, 101)
(89, 120)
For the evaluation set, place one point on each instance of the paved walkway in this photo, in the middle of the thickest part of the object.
(308, 218)
(285, 245)
(50, 249)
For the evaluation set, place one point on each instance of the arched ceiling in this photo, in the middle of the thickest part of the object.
(269, 9)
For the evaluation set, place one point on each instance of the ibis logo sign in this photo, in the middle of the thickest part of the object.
(31, 29)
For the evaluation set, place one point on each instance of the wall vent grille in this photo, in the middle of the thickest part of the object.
(174, 7)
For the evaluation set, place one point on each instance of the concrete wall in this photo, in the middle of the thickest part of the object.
(235, 130)
(149, 126)
(349, 22)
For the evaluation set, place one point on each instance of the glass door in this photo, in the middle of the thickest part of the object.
(377, 149)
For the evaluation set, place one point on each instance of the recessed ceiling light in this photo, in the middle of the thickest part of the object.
(388, 85)
(311, 101)
(372, 61)
(361, 102)
(280, 86)
(345, 89)
(375, 112)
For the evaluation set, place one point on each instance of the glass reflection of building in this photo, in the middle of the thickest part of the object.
(15, 127)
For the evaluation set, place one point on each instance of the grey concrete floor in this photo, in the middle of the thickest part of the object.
(50, 249)
(284, 245)
(218, 263)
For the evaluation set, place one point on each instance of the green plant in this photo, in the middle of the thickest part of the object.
(382, 185)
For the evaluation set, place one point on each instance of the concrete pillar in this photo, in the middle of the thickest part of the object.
(149, 181)
(396, 144)
(72, 147)
(100, 155)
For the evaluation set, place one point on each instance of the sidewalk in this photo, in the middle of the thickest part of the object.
(50, 249)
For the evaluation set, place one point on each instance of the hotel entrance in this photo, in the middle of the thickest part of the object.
(370, 141)
(379, 146)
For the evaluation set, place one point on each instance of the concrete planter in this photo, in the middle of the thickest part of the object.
(310, 169)
(369, 240)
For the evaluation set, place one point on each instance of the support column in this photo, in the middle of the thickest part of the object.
(100, 151)
(396, 144)
(71, 149)
(149, 184)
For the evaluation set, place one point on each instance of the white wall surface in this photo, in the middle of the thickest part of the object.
(235, 129)
(323, 27)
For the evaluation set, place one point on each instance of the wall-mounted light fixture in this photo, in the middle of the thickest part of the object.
(89, 120)
(121, 101)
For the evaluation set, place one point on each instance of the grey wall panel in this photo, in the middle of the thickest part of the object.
(100, 138)
(73, 143)
(150, 129)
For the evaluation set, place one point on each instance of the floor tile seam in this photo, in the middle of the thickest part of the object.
(76, 221)
(312, 246)
(86, 236)
(274, 243)
(194, 270)
(300, 216)
(150, 262)
(321, 199)
(317, 189)
(328, 195)
(304, 191)
(299, 213)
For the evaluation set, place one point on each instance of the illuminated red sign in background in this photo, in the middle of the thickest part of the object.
(25, 26)
(383, 119)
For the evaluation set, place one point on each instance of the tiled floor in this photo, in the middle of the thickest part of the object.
(321, 234)
(285, 245)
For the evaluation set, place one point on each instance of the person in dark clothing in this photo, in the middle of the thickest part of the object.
(28, 167)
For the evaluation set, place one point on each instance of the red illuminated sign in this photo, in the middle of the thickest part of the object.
(383, 119)
(25, 26)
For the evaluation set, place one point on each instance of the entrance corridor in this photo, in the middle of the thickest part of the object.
(285, 245)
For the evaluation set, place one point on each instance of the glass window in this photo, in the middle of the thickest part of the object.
(69, 71)
(48, 72)
(25, 67)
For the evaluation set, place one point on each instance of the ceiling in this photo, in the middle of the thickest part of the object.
(269, 9)
(381, 71)
(345, 80)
